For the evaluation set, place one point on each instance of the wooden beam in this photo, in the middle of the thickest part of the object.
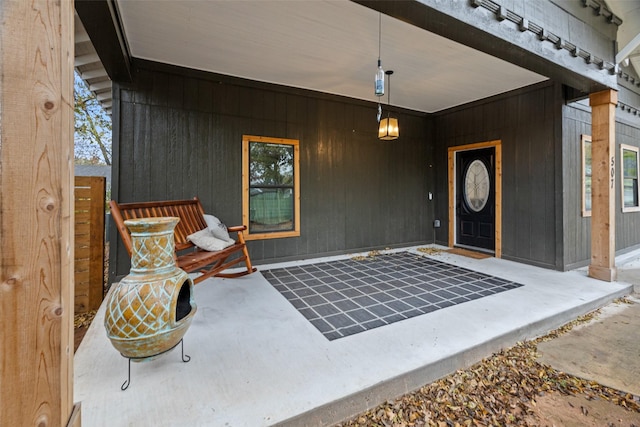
(36, 213)
(451, 162)
(498, 197)
(603, 177)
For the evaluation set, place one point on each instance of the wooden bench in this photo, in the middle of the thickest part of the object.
(188, 257)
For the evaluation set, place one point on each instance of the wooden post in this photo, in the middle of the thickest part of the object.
(36, 213)
(603, 197)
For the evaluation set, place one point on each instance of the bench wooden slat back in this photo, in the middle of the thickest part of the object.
(189, 211)
(191, 216)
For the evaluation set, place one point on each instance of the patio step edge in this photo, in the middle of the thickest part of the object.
(349, 406)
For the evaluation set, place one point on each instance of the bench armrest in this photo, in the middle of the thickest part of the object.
(236, 228)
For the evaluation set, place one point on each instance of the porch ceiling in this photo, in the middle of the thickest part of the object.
(327, 46)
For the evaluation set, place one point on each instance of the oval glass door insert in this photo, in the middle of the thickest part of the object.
(476, 186)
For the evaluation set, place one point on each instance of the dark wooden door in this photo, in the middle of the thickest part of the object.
(475, 198)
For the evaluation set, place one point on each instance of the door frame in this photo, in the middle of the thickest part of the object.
(497, 144)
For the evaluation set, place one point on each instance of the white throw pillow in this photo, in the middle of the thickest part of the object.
(205, 240)
(217, 228)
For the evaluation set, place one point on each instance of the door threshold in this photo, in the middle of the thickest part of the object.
(470, 251)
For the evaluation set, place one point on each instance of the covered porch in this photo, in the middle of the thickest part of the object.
(227, 379)
(247, 370)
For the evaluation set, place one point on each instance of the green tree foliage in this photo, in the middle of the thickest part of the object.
(271, 164)
(92, 127)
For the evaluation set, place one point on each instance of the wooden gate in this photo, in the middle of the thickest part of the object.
(89, 242)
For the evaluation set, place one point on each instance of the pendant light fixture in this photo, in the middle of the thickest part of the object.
(388, 129)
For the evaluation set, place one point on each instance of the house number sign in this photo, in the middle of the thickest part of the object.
(613, 170)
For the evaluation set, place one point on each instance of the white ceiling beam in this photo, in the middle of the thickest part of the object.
(100, 85)
(81, 37)
(86, 59)
(103, 96)
(94, 74)
(630, 47)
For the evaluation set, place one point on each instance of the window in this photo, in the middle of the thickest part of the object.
(271, 187)
(629, 156)
(586, 175)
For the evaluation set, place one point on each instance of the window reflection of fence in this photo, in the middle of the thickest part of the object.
(271, 209)
(89, 242)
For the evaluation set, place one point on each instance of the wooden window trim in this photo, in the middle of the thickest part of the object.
(624, 147)
(246, 139)
(585, 212)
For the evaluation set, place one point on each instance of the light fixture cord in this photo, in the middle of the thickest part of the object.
(379, 36)
(389, 93)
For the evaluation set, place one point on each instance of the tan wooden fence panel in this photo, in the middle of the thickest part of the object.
(89, 242)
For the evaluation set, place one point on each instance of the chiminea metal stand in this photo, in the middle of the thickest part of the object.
(185, 358)
(149, 311)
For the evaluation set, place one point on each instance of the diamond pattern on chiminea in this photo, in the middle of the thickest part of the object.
(149, 311)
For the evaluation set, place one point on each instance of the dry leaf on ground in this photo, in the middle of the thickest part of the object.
(499, 390)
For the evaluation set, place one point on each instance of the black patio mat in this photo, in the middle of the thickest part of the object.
(344, 297)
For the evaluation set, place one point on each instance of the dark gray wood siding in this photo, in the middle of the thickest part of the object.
(528, 123)
(178, 133)
(577, 229)
(576, 122)
(627, 223)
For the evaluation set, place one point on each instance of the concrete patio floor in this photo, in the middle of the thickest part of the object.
(256, 361)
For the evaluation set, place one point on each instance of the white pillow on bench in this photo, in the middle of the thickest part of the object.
(207, 241)
(217, 228)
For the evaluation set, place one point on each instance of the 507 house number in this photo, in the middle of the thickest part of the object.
(613, 170)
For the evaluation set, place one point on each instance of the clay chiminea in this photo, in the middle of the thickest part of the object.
(150, 310)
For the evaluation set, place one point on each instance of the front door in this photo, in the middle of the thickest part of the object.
(475, 198)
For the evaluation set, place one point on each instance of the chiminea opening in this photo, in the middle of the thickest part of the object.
(183, 303)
